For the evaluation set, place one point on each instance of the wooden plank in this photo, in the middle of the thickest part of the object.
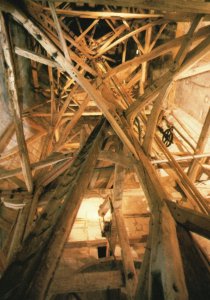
(12, 87)
(86, 282)
(190, 219)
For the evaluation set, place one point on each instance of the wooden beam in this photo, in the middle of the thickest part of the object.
(31, 212)
(153, 119)
(190, 219)
(102, 14)
(18, 233)
(68, 128)
(51, 160)
(16, 149)
(195, 71)
(143, 277)
(144, 66)
(202, 141)
(128, 264)
(12, 87)
(36, 57)
(116, 158)
(105, 47)
(197, 197)
(182, 158)
(185, 46)
(178, 6)
(3, 262)
(65, 283)
(102, 242)
(59, 31)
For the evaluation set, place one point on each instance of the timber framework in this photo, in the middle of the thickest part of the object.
(104, 150)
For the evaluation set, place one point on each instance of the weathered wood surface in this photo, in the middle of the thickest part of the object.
(85, 282)
(191, 220)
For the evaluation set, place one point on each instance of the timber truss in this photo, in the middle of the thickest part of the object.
(91, 114)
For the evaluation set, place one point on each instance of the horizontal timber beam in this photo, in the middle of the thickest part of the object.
(37, 165)
(101, 14)
(170, 5)
(86, 282)
(116, 158)
(102, 242)
(36, 57)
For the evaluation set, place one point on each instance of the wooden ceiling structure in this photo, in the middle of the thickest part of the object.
(85, 115)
